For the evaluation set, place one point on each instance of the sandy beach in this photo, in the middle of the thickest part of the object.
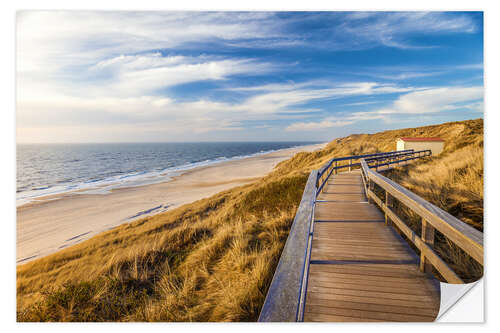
(55, 222)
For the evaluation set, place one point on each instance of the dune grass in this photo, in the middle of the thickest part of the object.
(452, 181)
(213, 260)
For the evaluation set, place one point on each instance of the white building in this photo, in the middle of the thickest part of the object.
(436, 145)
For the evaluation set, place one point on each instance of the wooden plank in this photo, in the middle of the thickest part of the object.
(341, 178)
(389, 203)
(376, 237)
(335, 273)
(327, 255)
(370, 246)
(428, 304)
(399, 287)
(354, 227)
(337, 229)
(345, 181)
(343, 189)
(376, 232)
(428, 238)
(337, 180)
(377, 294)
(348, 239)
(369, 306)
(320, 317)
(346, 211)
(371, 270)
(344, 197)
(322, 279)
(392, 248)
(345, 175)
(377, 280)
(389, 250)
(386, 316)
(332, 236)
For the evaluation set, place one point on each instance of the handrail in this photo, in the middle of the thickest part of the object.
(329, 164)
(461, 234)
(412, 155)
(285, 298)
(345, 158)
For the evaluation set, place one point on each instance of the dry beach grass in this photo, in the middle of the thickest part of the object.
(213, 260)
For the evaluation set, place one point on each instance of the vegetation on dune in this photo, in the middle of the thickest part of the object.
(452, 181)
(213, 260)
(208, 261)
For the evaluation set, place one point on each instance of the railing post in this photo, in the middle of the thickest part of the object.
(388, 203)
(336, 165)
(350, 164)
(371, 185)
(427, 237)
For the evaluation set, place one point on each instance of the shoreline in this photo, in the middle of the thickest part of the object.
(133, 179)
(53, 222)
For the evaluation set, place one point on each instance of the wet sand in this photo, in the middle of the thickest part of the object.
(58, 221)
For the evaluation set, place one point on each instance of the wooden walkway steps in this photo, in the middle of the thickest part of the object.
(344, 258)
(360, 269)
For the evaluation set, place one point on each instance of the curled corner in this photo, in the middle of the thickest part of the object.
(456, 306)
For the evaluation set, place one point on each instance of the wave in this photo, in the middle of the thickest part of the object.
(133, 179)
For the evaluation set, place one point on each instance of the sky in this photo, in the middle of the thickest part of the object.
(110, 76)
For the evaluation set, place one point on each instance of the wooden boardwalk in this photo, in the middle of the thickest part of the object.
(361, 269)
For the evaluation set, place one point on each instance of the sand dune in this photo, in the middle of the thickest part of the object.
(55, 222)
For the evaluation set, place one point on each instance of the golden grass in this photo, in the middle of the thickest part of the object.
(213, 260)
(452, 181)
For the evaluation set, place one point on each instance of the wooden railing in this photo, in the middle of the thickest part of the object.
(433, 218)
(286, 295)
(334, 165)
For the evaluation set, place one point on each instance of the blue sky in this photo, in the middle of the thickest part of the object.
(242, 76)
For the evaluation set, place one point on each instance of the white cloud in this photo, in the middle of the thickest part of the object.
(392, 28)
(280, 98)
(134, 76)
(475, 107)
(427, 101)
(283, 102)
(418, 102)
(82, 68)
(139, 77)
(470, 66)
(361, 103)
(55, 39)
(308, 126)
(436, 100)
(58, 38)
(91, 57)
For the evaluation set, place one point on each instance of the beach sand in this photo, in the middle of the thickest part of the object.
(56, 222)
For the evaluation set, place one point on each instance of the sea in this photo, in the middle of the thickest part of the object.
(48, 169)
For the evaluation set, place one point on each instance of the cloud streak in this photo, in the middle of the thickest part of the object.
(179, 73)
(393, 29)
(422, 101)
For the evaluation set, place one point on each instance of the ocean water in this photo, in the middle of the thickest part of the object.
(45, 169)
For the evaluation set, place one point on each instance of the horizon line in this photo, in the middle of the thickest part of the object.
(135, 142)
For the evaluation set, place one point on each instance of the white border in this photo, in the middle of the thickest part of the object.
(7, 199)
